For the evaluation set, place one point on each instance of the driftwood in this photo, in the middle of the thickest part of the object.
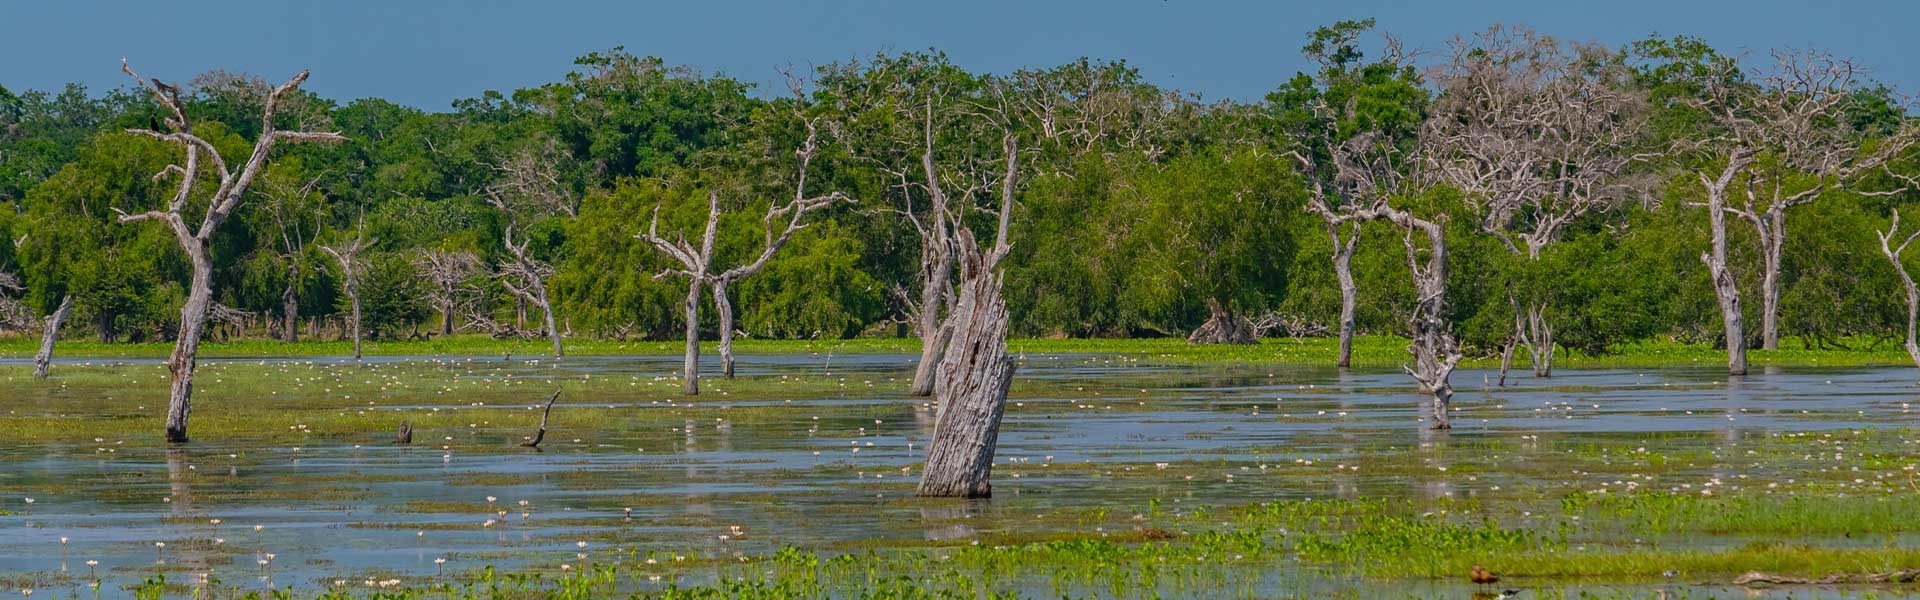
(1752, 578)
(541, 435)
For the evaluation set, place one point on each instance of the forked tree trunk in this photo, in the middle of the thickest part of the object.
(1223, 326)
(1349, 292)
(1913, 308)
(186, 348)
(691, 368)
(724, 308)
(49, 333)
(975, 374)
(1540, 339)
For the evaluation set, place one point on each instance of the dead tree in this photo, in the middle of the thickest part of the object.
(447, 273)
(1368, 166)
(1894, 255)
(779, 224)
(1536, 134)
(15, 315)
(523, 275)
(911, 104)
(1781, 141)
(290, 210)
(197, 242)
(541, 434)
(975, 371)
(348, 255)
(49, 333)
(1322, 155)
(1798, 117)
(697, 263)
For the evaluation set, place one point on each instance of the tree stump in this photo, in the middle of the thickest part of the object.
(1224, 327)
(971, 387)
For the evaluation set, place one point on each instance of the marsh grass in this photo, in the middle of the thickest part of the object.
(1369, 351)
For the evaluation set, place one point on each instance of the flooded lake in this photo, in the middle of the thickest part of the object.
(1090, 445)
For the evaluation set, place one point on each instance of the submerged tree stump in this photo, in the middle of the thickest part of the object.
(971, 387)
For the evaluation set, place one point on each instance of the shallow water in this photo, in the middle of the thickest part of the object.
(836, 473)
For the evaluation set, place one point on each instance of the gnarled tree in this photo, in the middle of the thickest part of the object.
(1368, 166)
(975, 371)
(197, 241)
(1895, 254)
(1780, 140)
(523, 274)
(1536, 134)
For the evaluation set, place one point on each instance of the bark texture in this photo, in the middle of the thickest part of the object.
(975, 374)
(49, 333)
(975, 371)
(1732, 320)
(1349, 292)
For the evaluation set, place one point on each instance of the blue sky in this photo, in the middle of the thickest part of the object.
(427, 53)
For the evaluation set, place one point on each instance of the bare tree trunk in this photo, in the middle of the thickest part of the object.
(1540, 339)
(691, 369)
(1773, 242)
(446, 316)
(50, 332)
(546, 310)
(1724, 289)
(934, 334)
(1349, 293)
(1514, 341)
(186, 348)
(1434, 350)
(724, 308)
(353, 296)
(290, 315)
(1906, 280)
(975, 374)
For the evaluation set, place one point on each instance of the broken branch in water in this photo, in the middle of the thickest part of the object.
(542, 433)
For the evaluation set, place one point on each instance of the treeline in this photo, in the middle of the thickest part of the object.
(1141, 211)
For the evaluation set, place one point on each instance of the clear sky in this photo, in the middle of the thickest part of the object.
(427, 53)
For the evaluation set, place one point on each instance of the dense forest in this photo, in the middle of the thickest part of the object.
(1587, 195)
